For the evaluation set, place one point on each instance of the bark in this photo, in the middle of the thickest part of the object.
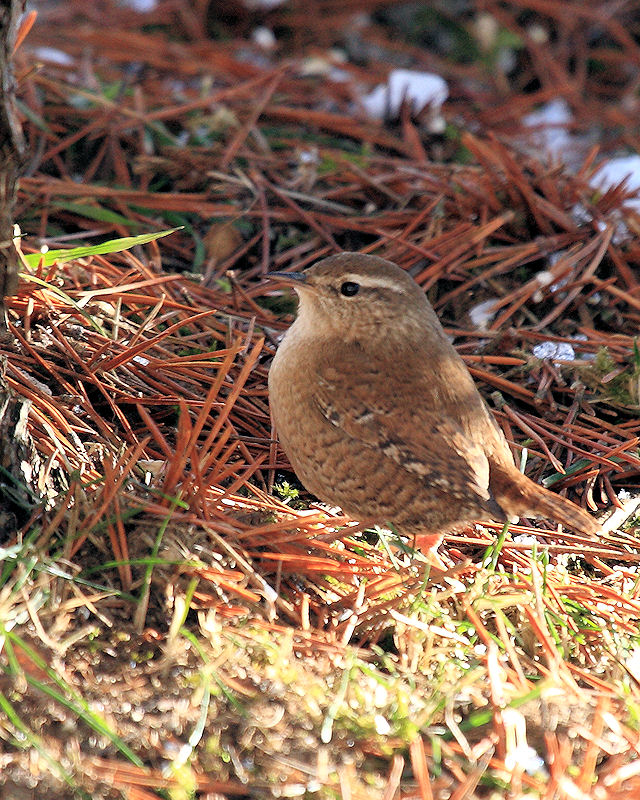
(20, 465)
(11, 145)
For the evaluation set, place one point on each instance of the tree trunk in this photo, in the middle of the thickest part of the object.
(11, 145)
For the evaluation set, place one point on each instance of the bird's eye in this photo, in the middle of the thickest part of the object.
(349, 288)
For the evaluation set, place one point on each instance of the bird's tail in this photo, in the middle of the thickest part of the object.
(520, 495)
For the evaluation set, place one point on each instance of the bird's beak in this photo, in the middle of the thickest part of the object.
(293, 279)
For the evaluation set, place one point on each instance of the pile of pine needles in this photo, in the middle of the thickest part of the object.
(178, 617)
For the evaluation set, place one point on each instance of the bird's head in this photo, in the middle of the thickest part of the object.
(354, 295)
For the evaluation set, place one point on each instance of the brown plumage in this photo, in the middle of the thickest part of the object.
(379, 415)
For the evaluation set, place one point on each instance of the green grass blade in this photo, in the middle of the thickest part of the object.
(112, 246)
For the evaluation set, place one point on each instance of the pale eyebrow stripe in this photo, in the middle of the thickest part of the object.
(372, 283)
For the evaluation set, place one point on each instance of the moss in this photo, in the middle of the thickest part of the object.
(613, 380)
(281, 305)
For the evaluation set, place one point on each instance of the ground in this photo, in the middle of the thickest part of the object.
(179, 618)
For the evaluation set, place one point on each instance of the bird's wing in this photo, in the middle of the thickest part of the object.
(406, 429)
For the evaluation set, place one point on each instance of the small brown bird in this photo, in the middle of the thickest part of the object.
(379, 415)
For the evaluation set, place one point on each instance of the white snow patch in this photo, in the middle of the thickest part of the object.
(482, 314)
(141, 6)
(617, 170)
(315, 66)
(376, 102)
(556, 351)
(580, 215)
(264, 37)
(544, 277)
(582, 337)
(264, 4)
(338, 75)
(550, 128)
(419, 89)
(54, 56)
(309, 156)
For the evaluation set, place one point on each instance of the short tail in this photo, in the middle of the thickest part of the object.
(559, 509)
(519, 495)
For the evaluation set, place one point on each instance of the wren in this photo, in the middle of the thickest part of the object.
(378, 414)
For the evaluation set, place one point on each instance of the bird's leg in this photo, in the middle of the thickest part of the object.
(428, 544)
